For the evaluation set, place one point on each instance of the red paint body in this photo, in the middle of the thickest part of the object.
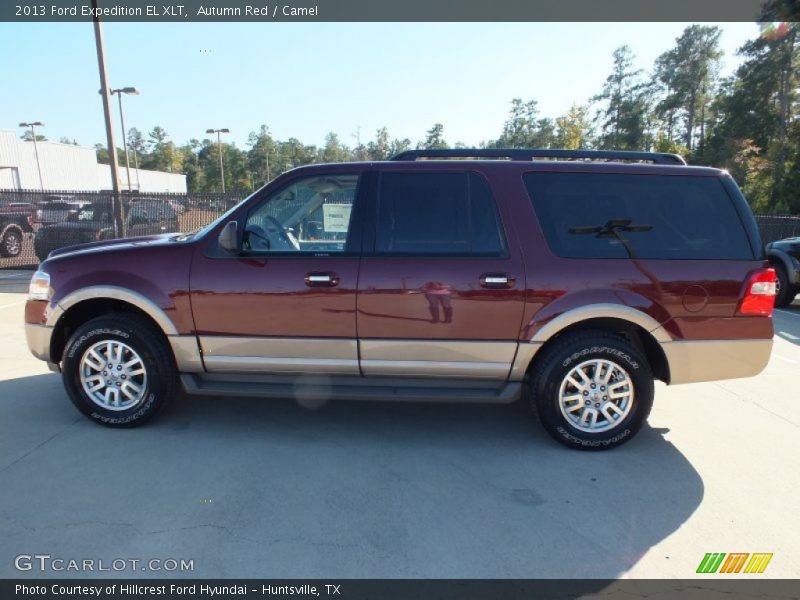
(390, 297)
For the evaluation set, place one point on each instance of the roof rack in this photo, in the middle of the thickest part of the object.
(662, 158)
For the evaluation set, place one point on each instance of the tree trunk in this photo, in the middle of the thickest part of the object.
(702, 124)
(690, 119)
(784, 102)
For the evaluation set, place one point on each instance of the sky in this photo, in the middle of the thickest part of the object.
(305, 79)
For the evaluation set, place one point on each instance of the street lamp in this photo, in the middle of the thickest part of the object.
(134, 92)
(219, 146)
(32, 125)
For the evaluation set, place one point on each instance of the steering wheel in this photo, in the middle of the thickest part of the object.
(280, 238)
(257, 238)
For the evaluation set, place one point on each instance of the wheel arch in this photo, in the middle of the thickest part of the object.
(640, 329)
(9, 226)
(80, 306)
(779, 257)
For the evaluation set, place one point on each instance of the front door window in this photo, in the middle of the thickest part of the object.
(308, 215)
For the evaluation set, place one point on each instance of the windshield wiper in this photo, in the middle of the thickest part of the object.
(613, 229)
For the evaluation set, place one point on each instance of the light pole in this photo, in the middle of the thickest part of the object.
(134, 92)
(136, 165)
(119, 221)
(32, 125)
(219, 146)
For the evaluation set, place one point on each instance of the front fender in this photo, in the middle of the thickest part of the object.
(147, 304)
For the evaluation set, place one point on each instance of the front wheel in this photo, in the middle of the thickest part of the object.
(11, 243)
(592, 390)
(118, 370)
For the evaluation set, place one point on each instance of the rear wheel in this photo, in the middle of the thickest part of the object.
(592, 390)
(11, 243)
(118, 370)
(784, 291)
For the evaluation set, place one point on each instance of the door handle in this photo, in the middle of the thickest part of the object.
(321, 279)
(497, 280)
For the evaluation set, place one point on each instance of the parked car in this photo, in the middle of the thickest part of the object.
(147, 216)
(94, 222)
(784, 256)
(57, 208)
(568, 283)
(15, 224)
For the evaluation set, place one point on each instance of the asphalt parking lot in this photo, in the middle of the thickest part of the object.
(249, 488)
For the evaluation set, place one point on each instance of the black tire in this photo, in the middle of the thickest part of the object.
(162, 384)
(786, 292)
(556, 362)
(11, 244)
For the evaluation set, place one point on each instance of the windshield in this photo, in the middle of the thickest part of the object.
(201, 231)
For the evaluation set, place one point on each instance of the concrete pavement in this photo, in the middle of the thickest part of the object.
(249, 488)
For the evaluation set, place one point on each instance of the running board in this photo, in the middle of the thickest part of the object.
(351, 388)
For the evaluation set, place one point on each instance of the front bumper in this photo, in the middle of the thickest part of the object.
(38, 337)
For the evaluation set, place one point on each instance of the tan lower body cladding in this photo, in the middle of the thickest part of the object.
(689, 361)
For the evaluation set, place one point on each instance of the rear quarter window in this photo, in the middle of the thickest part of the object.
(596, 215)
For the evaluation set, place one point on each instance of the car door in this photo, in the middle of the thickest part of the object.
(440, 292)
(287, 303)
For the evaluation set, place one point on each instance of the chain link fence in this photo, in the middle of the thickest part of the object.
(32, 223)
(777, 227)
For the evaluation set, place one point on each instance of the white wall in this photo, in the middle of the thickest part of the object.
(69, 167)
(144, 181)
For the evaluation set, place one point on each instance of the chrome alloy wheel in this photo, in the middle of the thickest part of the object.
(113, 376)
(596, 395)
(13, 244)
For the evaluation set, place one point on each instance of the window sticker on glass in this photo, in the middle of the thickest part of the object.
(336, 217)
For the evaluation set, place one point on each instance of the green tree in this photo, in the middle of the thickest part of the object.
(624, 106)
(380, 147)
(28, 137)
(434, 138)
(399, 145)
(688, 73)
(102, 155)
(195, 177)
(163, 154)
(334, 151)
(757, 128)
(136, 141)
(521, 128)
(261, 156)
(573, 129)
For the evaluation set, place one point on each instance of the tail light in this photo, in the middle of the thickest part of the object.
(759, 294)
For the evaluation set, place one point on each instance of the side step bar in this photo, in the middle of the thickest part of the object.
(351, 388)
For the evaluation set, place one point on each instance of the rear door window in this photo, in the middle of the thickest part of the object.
(599, 215)
(437, 214)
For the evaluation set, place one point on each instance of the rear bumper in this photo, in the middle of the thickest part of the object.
(38, 337)
(711, 360)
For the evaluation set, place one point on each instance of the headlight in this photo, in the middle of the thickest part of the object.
(40, 286)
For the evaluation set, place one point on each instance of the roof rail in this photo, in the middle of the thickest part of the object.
(662, 158)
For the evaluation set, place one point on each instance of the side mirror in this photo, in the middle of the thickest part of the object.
(228, 238)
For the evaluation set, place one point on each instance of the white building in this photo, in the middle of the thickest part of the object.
(73, 168)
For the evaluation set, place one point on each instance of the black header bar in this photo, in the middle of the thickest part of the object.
(266, 11)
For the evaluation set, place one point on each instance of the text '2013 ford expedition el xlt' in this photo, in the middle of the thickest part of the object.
(572, 279)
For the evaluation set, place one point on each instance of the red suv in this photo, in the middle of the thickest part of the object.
(572, 279)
